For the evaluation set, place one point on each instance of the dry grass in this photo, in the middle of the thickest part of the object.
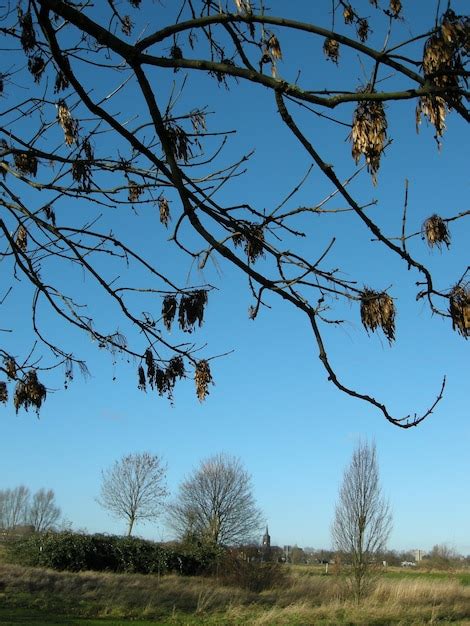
(306, 598)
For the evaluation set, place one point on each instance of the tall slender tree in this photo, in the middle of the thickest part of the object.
(363, 519)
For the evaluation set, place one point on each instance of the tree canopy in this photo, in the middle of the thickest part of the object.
(113, 136)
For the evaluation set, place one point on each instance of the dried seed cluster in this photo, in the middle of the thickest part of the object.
(459, 309)
(134, 191)
(10, 366)
(202, 378)
(378, 310)
(61, 82)
(163, 379)
(164, 209)
(36, 65)
(28, 36)
(331, 49)
(369, 134)
(190, 310)
(26, 162)
(180, 142)
(395, 7)
(436, 232)
(29, 392)
(22, 238)
(243, 6)
(69, 125)
(252, 238)
(442, 66)
(348, 14)
(3, 392)
(81, 173)
(363, 29)
(274, 48)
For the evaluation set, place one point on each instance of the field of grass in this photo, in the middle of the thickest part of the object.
(34, 596)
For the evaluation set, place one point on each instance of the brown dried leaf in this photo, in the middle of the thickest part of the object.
(459, 309)
(378, 310)
(202, 378)
(436, 232)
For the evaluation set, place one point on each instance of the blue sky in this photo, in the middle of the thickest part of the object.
(272, 405)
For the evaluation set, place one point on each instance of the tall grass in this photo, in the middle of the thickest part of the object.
(301, 599)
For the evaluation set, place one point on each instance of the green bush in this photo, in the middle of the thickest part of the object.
(78, 551)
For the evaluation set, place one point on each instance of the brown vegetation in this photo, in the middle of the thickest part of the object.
(304, 597)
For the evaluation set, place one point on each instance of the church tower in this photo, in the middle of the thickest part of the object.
(266, 539)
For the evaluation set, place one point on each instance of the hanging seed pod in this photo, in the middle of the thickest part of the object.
(363, 29)
(254, 242)
(142, 380)
(61, 82)
(81, 173)
(164, 209)
(180, 142)
(274, 47)
(29, 392)
(176, 52)
(49, 214)
(22, 238)
(369, 134)
(243, 6)
(202, 378)
(395, 7)
(88, 150)
(134, 191)
(69, 125)
(331, 49)
(126, 26)
(135, 3)
(169, 310)
(435, 109)
(3, 392)
(26, 162)
(436, 232)
(10, 366)
(175, 368)
(28, 36)
(348, 14)
(378, 310)
(198, 120)
(459, 309)
(36, 65)
(150, 363)
(191, 309)
(160, 380)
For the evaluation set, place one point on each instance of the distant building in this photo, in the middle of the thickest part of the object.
(266, 543)
(418, 555)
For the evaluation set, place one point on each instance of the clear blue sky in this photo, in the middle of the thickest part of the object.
(272, 405)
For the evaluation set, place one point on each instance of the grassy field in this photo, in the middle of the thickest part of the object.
(31, 596)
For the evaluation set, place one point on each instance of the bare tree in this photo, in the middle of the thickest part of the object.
(134, 488)
(215, 504)
(363, 519)
(104, 120)
(43, 513)
(14, 506)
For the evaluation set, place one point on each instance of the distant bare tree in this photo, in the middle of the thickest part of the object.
(43, 512)
(14, 505)
(134, 488)
(363, 519)
(216, 503)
